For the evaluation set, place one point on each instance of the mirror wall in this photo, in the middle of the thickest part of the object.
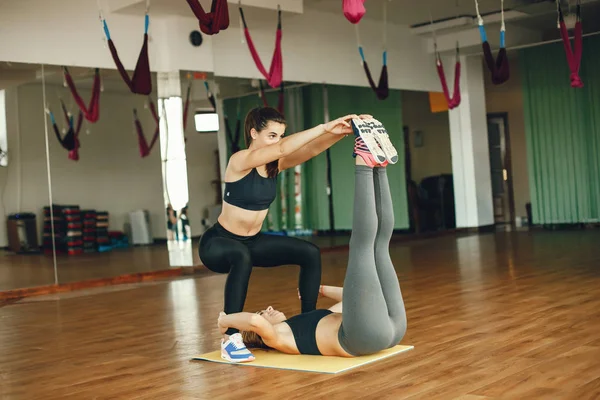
(24, 184)
(131, 187)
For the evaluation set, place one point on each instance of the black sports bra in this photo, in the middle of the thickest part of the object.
(252, 192)
(304, 328)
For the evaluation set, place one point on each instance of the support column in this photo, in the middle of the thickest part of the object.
(470, 152)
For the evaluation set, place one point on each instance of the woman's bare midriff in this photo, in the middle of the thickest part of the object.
(241, 222)
(327, 337)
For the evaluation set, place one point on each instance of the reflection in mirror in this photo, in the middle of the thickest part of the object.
(201, 127)
(106, 176)
(24, 187)
(174, 170)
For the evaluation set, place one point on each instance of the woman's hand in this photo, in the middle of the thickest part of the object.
(340, 126)
(220, 324)
(365, 116)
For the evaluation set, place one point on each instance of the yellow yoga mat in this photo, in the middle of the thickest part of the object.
(322, 364)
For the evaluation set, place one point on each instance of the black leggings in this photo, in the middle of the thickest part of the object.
(224, 252)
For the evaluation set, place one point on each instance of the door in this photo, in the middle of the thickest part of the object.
(501, 176)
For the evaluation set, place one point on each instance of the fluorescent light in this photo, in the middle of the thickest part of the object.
(206, 122)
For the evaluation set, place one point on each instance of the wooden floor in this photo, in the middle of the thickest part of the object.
(505, 315)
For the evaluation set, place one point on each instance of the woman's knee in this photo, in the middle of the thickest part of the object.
(311, 255)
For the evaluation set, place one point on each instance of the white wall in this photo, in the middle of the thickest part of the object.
(321, 47)
(69, 32)
(110, 174)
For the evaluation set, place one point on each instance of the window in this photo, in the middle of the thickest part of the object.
(3, 130)
(206, 121)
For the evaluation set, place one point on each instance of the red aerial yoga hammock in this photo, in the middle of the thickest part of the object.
(275, 75)
(574, 59)
(214, 21)
(141, 82)
(92, 111)
(146, 148)
(453, 101)
(382, 89)
(354, 10)
(70, 141)
(498, 67)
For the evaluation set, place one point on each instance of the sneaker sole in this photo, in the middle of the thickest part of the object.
(383, 138)
(363, 130)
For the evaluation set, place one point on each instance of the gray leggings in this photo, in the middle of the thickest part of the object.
(373, 317)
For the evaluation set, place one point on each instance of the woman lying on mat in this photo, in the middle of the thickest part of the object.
(234, 244)
(373, 317)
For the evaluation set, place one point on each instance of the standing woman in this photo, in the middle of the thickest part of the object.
(234, 244)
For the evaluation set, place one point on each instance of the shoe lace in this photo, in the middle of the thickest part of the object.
(237, 341)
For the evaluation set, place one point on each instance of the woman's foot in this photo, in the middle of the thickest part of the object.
(234, 349)
(365, 144)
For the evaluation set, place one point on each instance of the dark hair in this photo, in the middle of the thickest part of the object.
(252, 340)
(258, 118)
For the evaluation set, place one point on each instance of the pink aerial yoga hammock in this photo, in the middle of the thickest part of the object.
(92, 111)
(144, 147)
(499, 67)
(275, 75)
(453, 101)
(70, 141)
(574, 59)
(354, 10)
(141, 82)
(216, 20)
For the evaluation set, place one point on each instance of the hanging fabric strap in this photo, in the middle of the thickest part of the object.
(141, 82)
(186, 106)
(453, 101)
(70, 140)
(234, 139)
(210, 96)
(216, 20)
(499, 67)
(275, 75)
(573, 59)
(91, 112)
(382, 89)
(280, 101)
(354, 10)
(144, 147)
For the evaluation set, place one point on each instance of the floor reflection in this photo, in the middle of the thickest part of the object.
(180, 253)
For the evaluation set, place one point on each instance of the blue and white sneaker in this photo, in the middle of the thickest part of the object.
(382, 137)
(234, 349)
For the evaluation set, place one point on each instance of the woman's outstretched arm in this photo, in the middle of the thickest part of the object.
(247, 159)
(313, 149)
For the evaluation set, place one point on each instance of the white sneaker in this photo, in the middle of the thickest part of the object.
(234, 349)
(364, 130)
(383, 139)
